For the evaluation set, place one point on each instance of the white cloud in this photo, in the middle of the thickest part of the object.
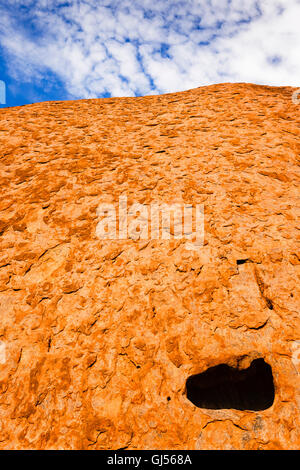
(141, 47)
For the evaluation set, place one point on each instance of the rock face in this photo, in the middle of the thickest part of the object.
(102, 340)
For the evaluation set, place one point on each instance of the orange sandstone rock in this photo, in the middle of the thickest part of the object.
(99, 337)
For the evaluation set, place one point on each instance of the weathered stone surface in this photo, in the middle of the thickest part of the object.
(98, 338)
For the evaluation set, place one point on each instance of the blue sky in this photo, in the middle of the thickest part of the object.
(59, 50)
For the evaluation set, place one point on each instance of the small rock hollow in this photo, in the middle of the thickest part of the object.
(223, 387)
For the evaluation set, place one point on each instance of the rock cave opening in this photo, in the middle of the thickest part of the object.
(224, 387)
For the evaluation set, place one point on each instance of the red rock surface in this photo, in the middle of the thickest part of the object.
(99, 337)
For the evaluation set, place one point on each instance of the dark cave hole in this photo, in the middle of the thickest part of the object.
(224, 387)
(241, 261)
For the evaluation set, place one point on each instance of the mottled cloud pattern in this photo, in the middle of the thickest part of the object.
(137, 47)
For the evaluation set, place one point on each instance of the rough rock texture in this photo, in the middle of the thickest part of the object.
(98, 338)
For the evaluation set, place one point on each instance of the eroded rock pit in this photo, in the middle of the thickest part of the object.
(222, 387)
